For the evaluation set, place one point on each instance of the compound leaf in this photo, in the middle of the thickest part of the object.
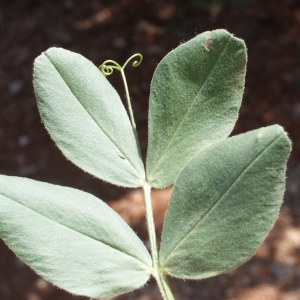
(223, 204)
(71, 238)
(195, 96)
(86, 118)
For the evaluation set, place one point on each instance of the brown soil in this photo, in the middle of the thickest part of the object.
(103, 29)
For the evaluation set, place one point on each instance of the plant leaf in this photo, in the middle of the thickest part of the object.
(223, 204)
(195, 96)
(86, 118)
(71, 238)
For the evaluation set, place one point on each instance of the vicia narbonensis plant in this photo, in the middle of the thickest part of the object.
(227, 191)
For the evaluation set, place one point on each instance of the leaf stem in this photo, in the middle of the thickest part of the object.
(131, 111)
(157, 273)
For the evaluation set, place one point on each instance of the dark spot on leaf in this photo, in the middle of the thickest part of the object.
(207, 44)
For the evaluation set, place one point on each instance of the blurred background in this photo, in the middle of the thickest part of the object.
(101, 30)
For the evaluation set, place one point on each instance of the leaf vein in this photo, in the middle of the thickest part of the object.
(189, 107)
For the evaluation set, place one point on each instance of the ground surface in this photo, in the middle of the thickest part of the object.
(103, 30)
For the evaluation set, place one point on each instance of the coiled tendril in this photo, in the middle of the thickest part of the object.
(108, 67)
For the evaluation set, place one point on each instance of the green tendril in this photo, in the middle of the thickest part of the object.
(107, 68)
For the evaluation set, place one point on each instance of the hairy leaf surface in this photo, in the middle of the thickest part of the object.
(86, 118)
(71, 238)
(223, 204)
(195, 95)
